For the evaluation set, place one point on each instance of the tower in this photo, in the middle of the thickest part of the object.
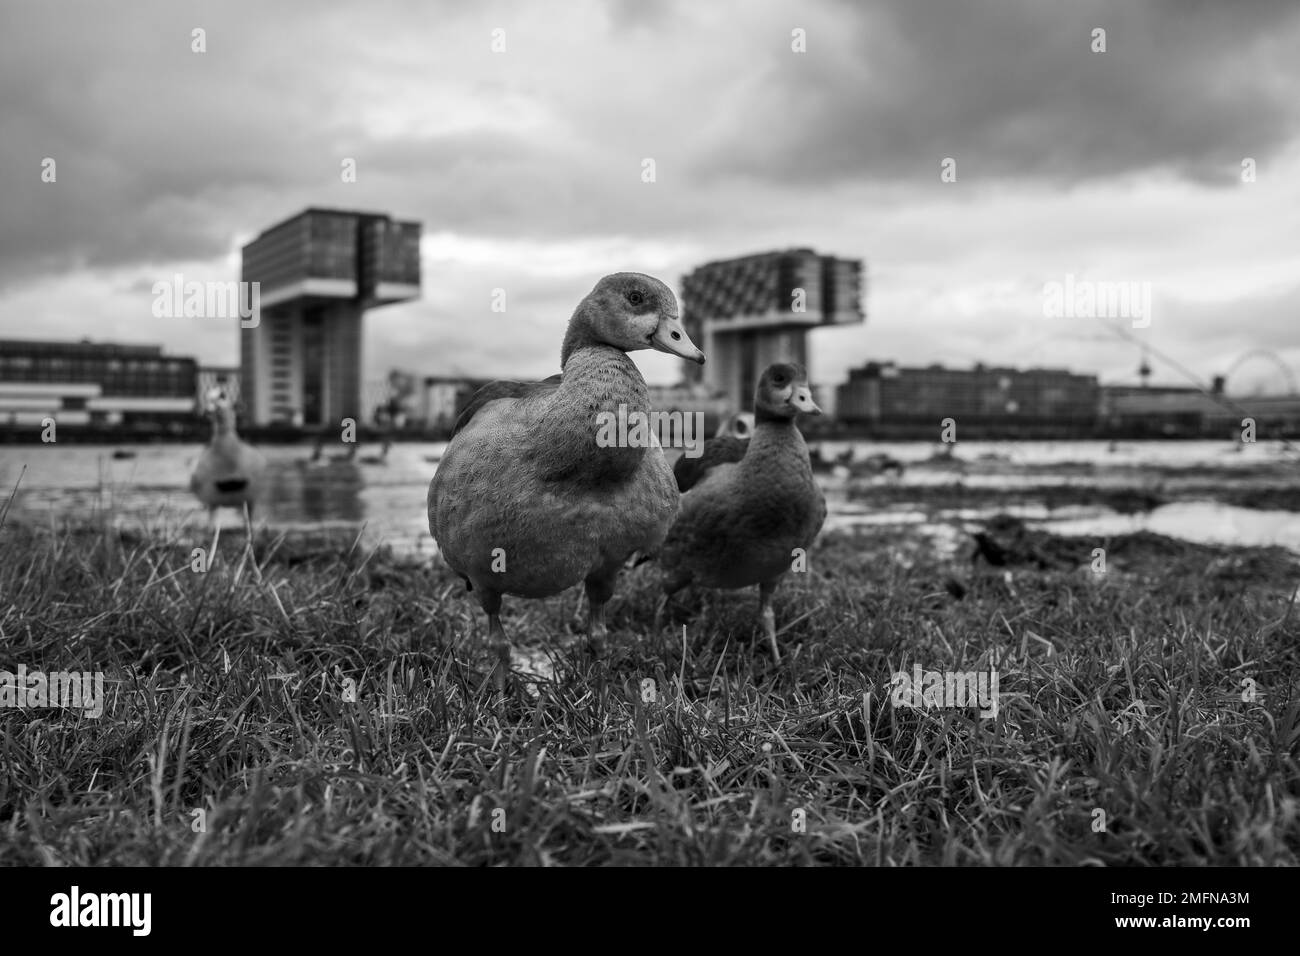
(749, 312)
(318, 272)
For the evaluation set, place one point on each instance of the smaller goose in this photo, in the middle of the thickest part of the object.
(727, 444)
(229, 472)
(741, 524)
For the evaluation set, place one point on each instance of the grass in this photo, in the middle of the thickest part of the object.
(1122, 695)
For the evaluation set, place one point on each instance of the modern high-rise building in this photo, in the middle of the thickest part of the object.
(749, 312)
(300, 361)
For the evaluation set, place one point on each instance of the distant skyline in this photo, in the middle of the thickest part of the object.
(525, 167)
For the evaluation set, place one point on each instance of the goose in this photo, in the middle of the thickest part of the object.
(319, 459)
(381, 458)
(317, 453)
(727, 444)
(229, 472)
(740, 525)
(528, 499)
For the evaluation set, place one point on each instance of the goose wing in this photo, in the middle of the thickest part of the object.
(493, 391)
(722, 450)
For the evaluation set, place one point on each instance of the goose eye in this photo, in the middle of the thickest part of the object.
(635, 297)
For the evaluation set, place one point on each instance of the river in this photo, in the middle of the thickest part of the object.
(382, 498)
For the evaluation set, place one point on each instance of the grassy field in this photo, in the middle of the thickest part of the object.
(1121, 705)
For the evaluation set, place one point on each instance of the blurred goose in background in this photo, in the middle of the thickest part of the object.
(727, 444)
(229, 473)
(317, 459)
(742, 522)
(527, 500)
(878, 463)
(381, 458)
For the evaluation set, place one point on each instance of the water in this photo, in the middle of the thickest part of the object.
(384, 500)
(1207, 522)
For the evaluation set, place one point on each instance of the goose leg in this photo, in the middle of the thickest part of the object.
(497, 640)
(248, 539)
(501, 647)
(672, 583)
(659, 612)
(765, 592)
(600, 588)
(596, 630)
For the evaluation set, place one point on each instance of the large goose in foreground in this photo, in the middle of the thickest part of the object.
(747, 522)
(528, 498)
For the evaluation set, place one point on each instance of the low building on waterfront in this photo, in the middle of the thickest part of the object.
(983, 401)
(1188, 412)
(89, 385)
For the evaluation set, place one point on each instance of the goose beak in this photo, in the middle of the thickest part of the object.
(803, 401)
(671, 337)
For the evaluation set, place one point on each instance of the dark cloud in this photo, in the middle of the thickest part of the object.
(1012, 90)
(166, 156)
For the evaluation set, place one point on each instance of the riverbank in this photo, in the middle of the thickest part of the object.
(1204, 492)
(321, 703)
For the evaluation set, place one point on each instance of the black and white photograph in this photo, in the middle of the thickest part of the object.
(650, 434)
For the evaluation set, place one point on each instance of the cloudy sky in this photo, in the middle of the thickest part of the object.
(525, 166)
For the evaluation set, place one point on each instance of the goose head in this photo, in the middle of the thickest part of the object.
(630, 311)
(219, 409)
(783, 393)
(740, 425)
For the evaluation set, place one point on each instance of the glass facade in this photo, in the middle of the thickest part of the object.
(137, 371)
(885, 394)
(755, 310)
(313, 366)
(331, 244)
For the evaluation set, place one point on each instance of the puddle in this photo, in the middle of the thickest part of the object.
(1204, 522)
